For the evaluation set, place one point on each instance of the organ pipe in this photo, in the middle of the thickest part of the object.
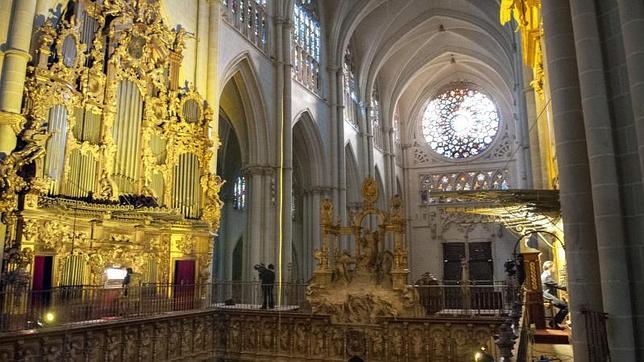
(88, 126)
(55, 156)
(127, 136)
(186, 190)
(81, 175)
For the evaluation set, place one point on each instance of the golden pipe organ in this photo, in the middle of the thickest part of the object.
(112, 166)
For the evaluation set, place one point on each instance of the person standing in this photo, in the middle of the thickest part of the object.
(550, 293)
(267, 277)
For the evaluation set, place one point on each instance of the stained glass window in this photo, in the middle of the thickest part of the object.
(461, 122)
(239, 193)
(306, 44)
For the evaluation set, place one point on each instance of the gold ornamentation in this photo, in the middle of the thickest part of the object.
(186, 245)
(326, 212)
(211, 185)
(16, 121)
(372, 282)
(369, 191)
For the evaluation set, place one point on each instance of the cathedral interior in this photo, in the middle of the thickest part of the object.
(322, 180)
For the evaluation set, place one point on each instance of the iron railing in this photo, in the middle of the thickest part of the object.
(479, 300)
(25, 309)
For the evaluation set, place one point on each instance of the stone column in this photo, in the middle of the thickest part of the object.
(533, 131)
(603, 172)
(212, 71)
(254, 176)
(5, 18)
(315, 222)
(342, 167)
(335, 141)
(287, 172)
(576, 193)
(523, 122)
(369, 142)
(631, 13)
(201, 53)
(14, 68)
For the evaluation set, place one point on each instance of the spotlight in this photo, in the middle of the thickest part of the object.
(50, 317)
(482, 356)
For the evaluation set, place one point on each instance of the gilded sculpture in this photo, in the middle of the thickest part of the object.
(372, 282)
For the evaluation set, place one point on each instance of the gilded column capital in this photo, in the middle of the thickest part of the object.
(15, 120)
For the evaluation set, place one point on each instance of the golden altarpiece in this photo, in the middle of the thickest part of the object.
(112, 166)
(371, 282)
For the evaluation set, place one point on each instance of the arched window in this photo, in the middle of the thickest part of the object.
(396, 126)
(460, 122)
(306, 44)
(350, 90)
(239, 193)
(376, 126)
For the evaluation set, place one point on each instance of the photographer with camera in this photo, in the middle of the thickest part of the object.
(267, 276)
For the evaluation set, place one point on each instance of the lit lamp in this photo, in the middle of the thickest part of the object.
(49, 318)
(482, 355)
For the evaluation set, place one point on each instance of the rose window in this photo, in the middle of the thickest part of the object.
(460, 123)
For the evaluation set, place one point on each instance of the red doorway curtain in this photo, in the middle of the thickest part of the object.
(184, 284)
(41, 284)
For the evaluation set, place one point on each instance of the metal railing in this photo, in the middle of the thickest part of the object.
(26, 309)
(478, 300)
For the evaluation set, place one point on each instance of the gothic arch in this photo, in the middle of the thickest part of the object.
(352, 175)
(249, 117)
(308, 145)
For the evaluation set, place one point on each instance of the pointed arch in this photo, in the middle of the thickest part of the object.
(242, 100)
(352, 175)
(309, 148)
(382, 198)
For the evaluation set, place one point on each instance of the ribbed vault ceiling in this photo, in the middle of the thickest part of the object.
(410, 48)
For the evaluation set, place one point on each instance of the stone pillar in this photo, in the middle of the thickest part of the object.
(212, 72)
(288, 151)
(631, 13)
(342, 167)
(523, 130)
(335, 141)
(5, 18)
(603, 173)
(14, 68)
(315, 224)
(533, 132)
(576, 193)
(201, 53)
(369, 141)
(254, 177)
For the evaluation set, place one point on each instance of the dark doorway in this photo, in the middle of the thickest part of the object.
(41, 283)
(184, 284)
